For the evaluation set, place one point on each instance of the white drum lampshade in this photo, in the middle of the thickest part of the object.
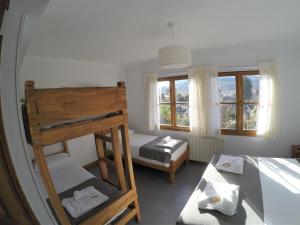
(174, 57)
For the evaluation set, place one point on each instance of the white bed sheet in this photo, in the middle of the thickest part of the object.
(280, 182)
(66, 175)
(137, 140)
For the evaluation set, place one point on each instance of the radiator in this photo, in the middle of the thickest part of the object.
(203, 148)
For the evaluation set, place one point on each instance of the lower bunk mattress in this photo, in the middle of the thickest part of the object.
(269, 194)
(68, 176)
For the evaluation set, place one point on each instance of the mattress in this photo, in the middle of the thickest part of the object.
(280, 183)
(66, 175)
(137, 140)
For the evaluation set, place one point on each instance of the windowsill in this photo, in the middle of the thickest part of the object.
(247, 133)
(184, 129)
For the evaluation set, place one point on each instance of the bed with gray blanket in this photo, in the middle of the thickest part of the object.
(269, 194)
(145, 152)
(152, 151)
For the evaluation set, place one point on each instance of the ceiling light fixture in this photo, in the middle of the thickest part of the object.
(174, 56)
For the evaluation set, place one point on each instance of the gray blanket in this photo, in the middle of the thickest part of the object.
(112, 192)
(151, 151)
(250, 207)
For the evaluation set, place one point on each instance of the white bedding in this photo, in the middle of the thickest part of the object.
(280, 182)
(137, 140)
(66, 175)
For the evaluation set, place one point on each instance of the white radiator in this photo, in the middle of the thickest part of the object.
(203, 148)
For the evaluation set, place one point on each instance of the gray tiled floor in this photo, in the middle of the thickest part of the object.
(161, 202)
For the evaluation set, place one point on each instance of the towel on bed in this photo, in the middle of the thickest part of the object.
(220, 196)
(150, 150)
(168, 142)
(83, 201)
(232, 164)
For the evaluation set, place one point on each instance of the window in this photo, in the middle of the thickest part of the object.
(174, 103)
(239, 97)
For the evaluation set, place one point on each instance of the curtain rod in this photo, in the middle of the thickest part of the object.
(220, 69)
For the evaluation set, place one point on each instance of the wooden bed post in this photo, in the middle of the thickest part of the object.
(52, 194)
(127, 154)
(66, 148)
(31, 108)
(118, 158)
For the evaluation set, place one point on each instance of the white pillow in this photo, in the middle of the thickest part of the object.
(54, 160)
(222, 197)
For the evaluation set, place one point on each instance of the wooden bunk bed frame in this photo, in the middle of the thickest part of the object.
(60, 114)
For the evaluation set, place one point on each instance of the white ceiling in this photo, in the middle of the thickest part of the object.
(127, 31)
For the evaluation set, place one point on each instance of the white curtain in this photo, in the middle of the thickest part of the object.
(204, 102)
(152, 102)
(268, 110)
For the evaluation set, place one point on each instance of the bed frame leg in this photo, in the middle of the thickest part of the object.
(138, 216)
(187, 161)
(172, 177)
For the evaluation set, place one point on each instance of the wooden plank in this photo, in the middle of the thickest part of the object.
(101, 154)
(66, 148)
(118, 158)
(128, 162)
(59, 134)
(126, 218)
(104, 137)
(63, 104)
(52, 194)
(111, 210)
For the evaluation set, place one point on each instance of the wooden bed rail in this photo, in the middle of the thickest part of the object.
(60, 114)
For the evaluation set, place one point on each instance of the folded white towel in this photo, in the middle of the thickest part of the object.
(84, 192)
(232, 164)
(83, 201)
(220, 196)
(170, 144)
(166, 139)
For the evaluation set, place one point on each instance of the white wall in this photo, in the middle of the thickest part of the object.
(286, 55)
(53, 73)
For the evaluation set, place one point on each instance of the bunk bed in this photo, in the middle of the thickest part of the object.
(60, 114)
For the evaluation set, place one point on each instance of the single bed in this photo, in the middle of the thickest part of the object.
(269, 194)
(137, 140)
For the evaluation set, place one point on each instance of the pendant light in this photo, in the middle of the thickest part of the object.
(174, 56)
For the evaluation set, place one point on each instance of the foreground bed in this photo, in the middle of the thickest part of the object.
(137, 140)
(269, 194)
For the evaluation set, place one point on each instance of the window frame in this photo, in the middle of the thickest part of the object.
(239, 131)
(172, 103)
